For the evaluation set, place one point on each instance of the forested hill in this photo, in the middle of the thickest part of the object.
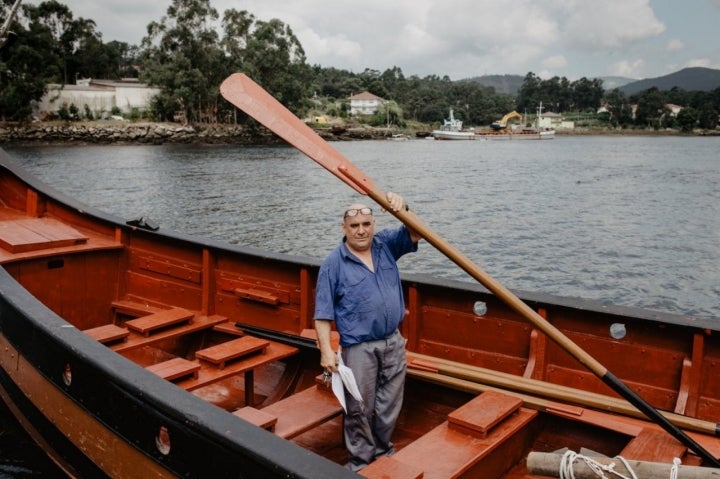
(688, 79)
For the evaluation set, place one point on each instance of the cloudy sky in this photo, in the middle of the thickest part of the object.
(466, 38)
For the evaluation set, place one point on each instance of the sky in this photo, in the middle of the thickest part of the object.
(467, 38)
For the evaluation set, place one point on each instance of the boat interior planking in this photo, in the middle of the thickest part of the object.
(128, 352)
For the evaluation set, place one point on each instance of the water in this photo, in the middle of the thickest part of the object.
(632, 221)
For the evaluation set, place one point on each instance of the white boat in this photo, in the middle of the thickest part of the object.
(452, 130)
(399, 137)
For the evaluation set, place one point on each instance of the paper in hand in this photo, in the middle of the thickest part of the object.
(344, 379)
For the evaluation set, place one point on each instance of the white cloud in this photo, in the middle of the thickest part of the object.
(557, 61)
(462, 38)
(675, 45)
(610, 23)
(630, 69)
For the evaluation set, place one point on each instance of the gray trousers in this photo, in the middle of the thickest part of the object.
(379, 368)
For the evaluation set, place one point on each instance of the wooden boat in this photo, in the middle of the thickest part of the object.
(127, 352)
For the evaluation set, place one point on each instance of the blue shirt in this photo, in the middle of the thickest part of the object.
(365, 305)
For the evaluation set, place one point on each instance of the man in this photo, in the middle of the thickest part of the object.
(359, 290)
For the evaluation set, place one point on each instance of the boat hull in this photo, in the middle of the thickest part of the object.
(453, 135)
(174, 299)
(521, 135)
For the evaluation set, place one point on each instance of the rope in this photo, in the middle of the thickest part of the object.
(674, 470)
(569, 458)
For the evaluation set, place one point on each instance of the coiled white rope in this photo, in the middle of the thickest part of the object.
(569, 458)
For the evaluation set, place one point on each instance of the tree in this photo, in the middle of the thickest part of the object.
(26, 66)
(687, 119)
(587, 94)
(619, 108)
(650, 107)
(182, 56)
(270, 53)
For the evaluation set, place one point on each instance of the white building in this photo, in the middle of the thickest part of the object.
(365, 103)
(100, 96)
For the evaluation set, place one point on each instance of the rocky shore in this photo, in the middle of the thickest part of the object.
(157, 133)
(104, 133)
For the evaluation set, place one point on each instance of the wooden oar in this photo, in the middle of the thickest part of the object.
(247, 95)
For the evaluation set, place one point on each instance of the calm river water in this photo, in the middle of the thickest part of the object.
(633, 221)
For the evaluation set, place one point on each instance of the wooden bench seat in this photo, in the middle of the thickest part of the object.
(654, 445)
(198, 323)
(228, 328)
(163, 319)
(257, 417)
(175, 368)
(460, 447)
(134, 308)
(107, 333)
(211, 374)
(303, 411)
(386, 467)
(232, 350)
(484, 412)
(32, 234)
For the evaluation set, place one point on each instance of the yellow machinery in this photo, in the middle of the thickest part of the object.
(502, 124)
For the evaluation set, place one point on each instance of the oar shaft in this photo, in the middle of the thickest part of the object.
(256, 102)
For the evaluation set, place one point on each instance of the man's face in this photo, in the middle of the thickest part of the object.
(359, 229)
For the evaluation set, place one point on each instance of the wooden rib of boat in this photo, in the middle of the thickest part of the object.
(127, 352)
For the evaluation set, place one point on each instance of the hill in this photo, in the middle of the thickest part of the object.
(688, 79)
(507, 84)
(610, 83)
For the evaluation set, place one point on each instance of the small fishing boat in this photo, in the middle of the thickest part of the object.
(398, 137)
(452, 130)
(130, 351)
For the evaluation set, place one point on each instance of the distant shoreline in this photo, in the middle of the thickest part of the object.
(107, 133)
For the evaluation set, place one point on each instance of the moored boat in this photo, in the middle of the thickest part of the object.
(122, 355)
(451, 129)
(499, 130)
(517, 134)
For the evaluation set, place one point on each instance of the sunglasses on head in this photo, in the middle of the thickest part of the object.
(356, 211)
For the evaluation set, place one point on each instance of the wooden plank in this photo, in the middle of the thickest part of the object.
(199, 323)
(386, 467)
(303, 411)
(447, 452)
(653, 445)
(107, 333)
(134, 308)
(147, 324)
(175, 368)
(230, 350)
(228, 328)
(34, 234)
(484, 411)
(257, 417)
(209, 375)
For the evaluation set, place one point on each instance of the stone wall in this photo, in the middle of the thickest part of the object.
(135, 133)
(156, 133)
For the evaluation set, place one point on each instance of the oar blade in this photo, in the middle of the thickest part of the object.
(248, 96)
